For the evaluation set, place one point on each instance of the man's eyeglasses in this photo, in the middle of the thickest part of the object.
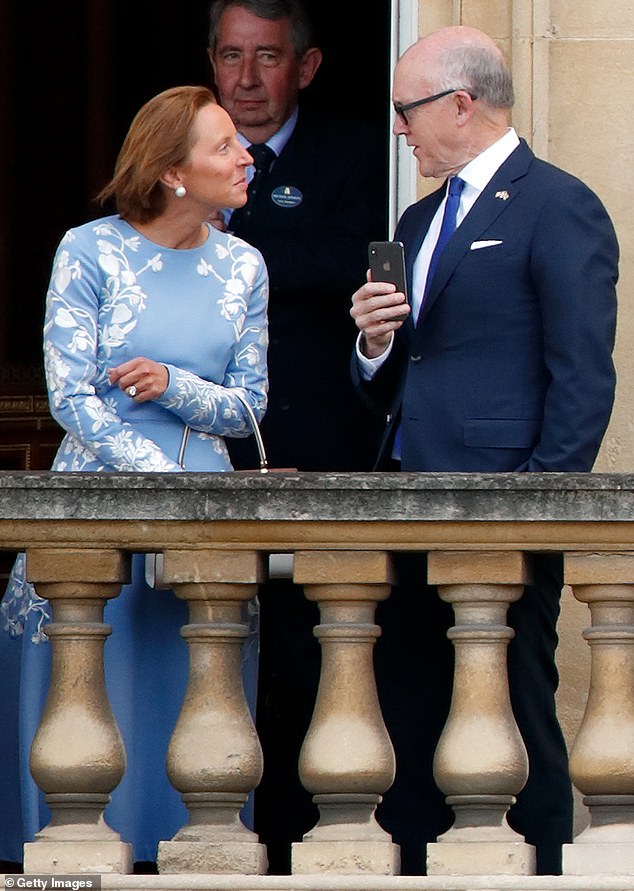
(401, 110)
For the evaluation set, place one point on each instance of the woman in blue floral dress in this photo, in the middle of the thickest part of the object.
(155, 336)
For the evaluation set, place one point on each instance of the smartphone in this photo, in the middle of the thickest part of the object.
(387, 263)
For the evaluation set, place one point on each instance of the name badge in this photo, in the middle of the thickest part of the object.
(287, 196)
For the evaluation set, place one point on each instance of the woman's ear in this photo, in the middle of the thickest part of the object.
(171, 178)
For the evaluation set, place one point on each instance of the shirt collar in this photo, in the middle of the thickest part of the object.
(278, 141)
(478, 172)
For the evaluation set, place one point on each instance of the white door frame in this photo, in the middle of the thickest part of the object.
(402, 164)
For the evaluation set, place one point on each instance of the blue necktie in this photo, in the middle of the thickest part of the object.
(448, 225)
(447, 229)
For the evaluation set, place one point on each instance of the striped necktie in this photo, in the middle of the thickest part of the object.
(263, 156)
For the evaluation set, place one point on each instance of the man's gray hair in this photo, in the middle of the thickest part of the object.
(302, 33)
(479, 70)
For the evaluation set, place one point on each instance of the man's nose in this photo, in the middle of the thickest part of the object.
(399, 127)
(249, 72)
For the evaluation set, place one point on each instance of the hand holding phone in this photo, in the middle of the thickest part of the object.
(387, 264)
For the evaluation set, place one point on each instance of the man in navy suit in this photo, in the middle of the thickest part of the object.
(502, 363)
(321, 200)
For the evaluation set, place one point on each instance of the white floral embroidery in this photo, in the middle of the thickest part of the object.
(20, 600)
(64, 273)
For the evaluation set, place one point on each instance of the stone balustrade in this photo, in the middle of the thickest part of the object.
(215, 532)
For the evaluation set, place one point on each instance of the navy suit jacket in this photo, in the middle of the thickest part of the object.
(509, 366)
(316, 254)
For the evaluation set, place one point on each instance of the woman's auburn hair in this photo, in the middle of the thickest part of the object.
(159, 138)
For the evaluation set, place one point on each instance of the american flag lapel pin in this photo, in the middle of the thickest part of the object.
(503, 194)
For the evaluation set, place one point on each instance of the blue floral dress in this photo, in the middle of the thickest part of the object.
(114, 295)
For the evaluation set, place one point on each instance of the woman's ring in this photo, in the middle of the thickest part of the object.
(131, 391)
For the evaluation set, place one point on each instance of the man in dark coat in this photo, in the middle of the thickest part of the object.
(320, 203)
(319, 199)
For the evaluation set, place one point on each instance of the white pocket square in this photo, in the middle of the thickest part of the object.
(476, 245)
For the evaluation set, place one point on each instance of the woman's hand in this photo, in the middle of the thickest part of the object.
(142, 379)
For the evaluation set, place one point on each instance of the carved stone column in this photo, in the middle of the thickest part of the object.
(347, 760)
(602, 757)
(77, 756)
(214, 757)
(480, 763)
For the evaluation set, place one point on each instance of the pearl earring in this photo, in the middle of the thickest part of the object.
(180, 191)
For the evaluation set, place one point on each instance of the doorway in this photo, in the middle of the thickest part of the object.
(73, 78)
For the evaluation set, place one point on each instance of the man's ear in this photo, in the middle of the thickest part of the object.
(464, 106)
(309, 63)
(210, 56)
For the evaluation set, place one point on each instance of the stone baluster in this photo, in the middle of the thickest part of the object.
(77, 756)
(480, 763)
(602, 757)
(347, 760)
(214, 757)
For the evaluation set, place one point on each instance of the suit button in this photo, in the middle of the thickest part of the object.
(416, 357)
